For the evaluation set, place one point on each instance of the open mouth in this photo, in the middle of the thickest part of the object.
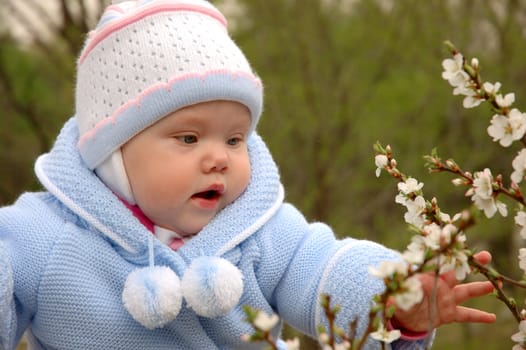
(208, 195)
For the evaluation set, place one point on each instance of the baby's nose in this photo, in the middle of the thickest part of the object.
(216, 159)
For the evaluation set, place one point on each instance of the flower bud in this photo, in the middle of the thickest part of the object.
(323, 338)
(265, 322)
(458, 181)
(470, 70)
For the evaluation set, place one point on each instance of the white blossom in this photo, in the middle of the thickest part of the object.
(415, 252)
(323, 338)
(265, 322)
(453, 71)
(384, 335)
(412, 294)
(482, 194)
(409, 186)
(518, 123)
(483, 183)
(448, 231)
(401, 199)
(432, 236)
(407, 189)
(490, 206)
(520, 220)
(507, 129)
(519, 166)
(505, 101)
(491, 89)
(415, 209)
(458, 181)
(522, 259)
(464, 88)
(342, 346)
(473, 97)
(456, 217)
(293, 344)
(520, 336)
(444, 217)
(381, 162)
(388, 268)
(457, 261)
(472, 100)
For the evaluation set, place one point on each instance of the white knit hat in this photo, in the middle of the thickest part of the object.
(146, 59)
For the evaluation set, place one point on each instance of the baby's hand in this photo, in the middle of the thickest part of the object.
(447, 298)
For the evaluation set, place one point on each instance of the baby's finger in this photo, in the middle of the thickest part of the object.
(466, 314)
(449, 278)
(483, 257)
(464, 292)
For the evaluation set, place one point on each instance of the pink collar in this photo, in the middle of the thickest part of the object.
(175, 243)
(137, 212)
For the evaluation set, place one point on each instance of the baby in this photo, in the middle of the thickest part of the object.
(164, 214)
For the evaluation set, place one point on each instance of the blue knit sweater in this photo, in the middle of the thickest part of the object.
(65, 255)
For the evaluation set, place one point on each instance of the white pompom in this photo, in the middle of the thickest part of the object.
(152, 295)
(212, 286)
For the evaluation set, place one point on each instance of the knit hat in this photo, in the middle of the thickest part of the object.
(148, 58)
(145, 60)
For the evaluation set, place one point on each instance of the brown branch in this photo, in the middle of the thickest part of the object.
(496, 282)
(83, 23)
(71, 27)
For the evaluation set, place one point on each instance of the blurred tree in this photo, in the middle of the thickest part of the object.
(36, 82)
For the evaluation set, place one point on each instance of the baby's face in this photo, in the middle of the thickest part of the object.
(190, 164)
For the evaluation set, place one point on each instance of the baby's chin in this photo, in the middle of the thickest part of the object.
(185, 232)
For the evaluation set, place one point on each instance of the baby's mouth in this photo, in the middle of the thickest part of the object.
(208, 195)
(212, 193)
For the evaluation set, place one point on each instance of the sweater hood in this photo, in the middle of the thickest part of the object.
(64, 174)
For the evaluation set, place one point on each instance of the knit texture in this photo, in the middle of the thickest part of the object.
(146, 59)
(72, 249)
(7, 311)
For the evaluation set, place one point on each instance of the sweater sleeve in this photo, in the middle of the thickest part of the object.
(323, 264)
(7, 303)
(24, 249)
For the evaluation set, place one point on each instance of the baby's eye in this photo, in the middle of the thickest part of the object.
(187, 139)
(234, 141)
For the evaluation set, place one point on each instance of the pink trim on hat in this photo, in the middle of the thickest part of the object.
(137, 101)
(108, 30)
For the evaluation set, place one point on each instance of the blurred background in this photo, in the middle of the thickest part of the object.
(339, 75)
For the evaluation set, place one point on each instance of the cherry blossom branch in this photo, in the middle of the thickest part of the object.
(496, 280)
(262, 324)
(439, 243)
(508, 125)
